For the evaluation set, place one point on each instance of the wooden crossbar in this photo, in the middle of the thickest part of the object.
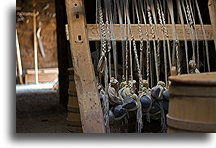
(94, 32)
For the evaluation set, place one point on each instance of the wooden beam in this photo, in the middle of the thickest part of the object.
(63, 51)
(211, 4)
(35, 46)
(85, 80)
(42, 77)
(94, 32)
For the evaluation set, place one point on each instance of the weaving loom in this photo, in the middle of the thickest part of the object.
(140, 42)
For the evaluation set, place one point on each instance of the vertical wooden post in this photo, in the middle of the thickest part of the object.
(19, 62)
(85, 80)
(63, 51)
(211, 4)
(35, 47)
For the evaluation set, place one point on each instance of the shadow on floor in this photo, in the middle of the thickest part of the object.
(38, 110)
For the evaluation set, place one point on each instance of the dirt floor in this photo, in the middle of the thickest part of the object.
(38, 110)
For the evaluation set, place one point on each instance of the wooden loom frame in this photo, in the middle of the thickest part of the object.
(80, 34)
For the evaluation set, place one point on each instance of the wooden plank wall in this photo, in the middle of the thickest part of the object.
(47, 19)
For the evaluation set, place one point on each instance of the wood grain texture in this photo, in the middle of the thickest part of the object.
(190, 126)
(193, 103)
(202, 79)
(94, 32)
(42, 77)
(85, 80)
(42, 70)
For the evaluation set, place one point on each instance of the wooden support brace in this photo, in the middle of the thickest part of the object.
(211, 4)
(85, 80)
(94, 32)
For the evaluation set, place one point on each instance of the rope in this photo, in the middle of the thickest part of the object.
(175, 36)
(163, 121)
(158, 38)
(129, 32)
(153, 37)
(122, 35)
(139, 109)
(106, 103)
(126, 46)
(102, 66)
(108, 8)
(101, 62)
(185, 38)
(147, 42)
(166, 36)
(164, 43)
(190, 22)
(196, 36)
(204, 34)
(141, 37)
